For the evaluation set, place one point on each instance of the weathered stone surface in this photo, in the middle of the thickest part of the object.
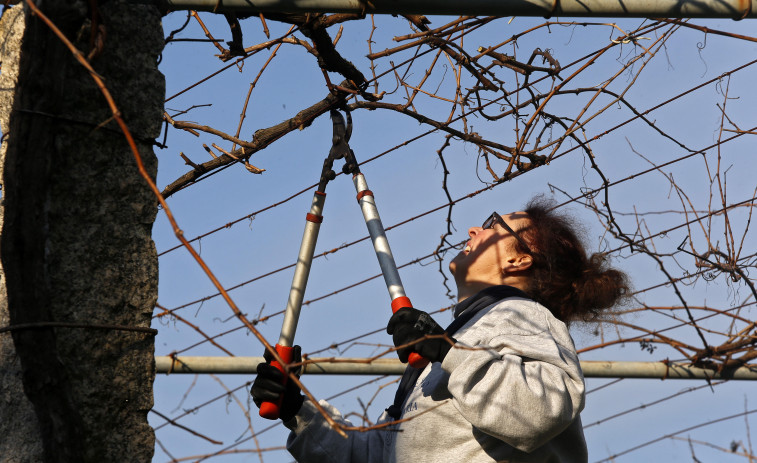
(78, 216)
(20, 440)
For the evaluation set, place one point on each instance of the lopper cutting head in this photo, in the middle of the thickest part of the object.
(342, 131)
(340, 149)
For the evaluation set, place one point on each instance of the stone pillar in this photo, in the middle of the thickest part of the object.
(76, 244)
(20, 440)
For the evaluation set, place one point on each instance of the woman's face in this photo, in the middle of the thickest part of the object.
(489, 253)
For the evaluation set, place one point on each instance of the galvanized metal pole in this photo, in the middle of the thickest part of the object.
(358, 366)
(735, 9)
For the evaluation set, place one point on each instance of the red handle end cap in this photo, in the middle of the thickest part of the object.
(416, 361)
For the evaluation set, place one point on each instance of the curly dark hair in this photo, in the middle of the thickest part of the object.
(571, 284)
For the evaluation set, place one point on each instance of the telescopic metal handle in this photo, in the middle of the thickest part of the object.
(384, 255)
(314, 218)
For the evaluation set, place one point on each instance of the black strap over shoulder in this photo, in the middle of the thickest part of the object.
(464, 311)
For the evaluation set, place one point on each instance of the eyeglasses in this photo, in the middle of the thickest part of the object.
(497, 219)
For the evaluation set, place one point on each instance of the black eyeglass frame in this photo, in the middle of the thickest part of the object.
(495, 218)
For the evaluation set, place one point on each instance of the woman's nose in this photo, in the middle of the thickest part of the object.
(472, 231)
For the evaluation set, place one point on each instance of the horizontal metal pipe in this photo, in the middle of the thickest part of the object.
(660, 370)
(736, 9)
(357, 366)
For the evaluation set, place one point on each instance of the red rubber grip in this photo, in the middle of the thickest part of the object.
(270, 410)
(400, 302)
(414, 359)
(364, 193)
(313, 218)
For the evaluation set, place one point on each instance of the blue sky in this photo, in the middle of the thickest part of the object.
(407, 182)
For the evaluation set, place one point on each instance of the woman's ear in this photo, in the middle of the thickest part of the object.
(520, 263)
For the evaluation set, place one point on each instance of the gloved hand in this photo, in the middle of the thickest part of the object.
(268, 386)
(408, 325)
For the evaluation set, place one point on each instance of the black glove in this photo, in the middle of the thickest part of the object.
(408, 325)
(268, 386)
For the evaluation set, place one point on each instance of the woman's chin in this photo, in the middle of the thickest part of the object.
(457, 262)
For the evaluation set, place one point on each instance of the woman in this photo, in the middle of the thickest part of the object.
(504, 383)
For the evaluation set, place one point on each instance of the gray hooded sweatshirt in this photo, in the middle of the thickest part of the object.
(510, 390)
